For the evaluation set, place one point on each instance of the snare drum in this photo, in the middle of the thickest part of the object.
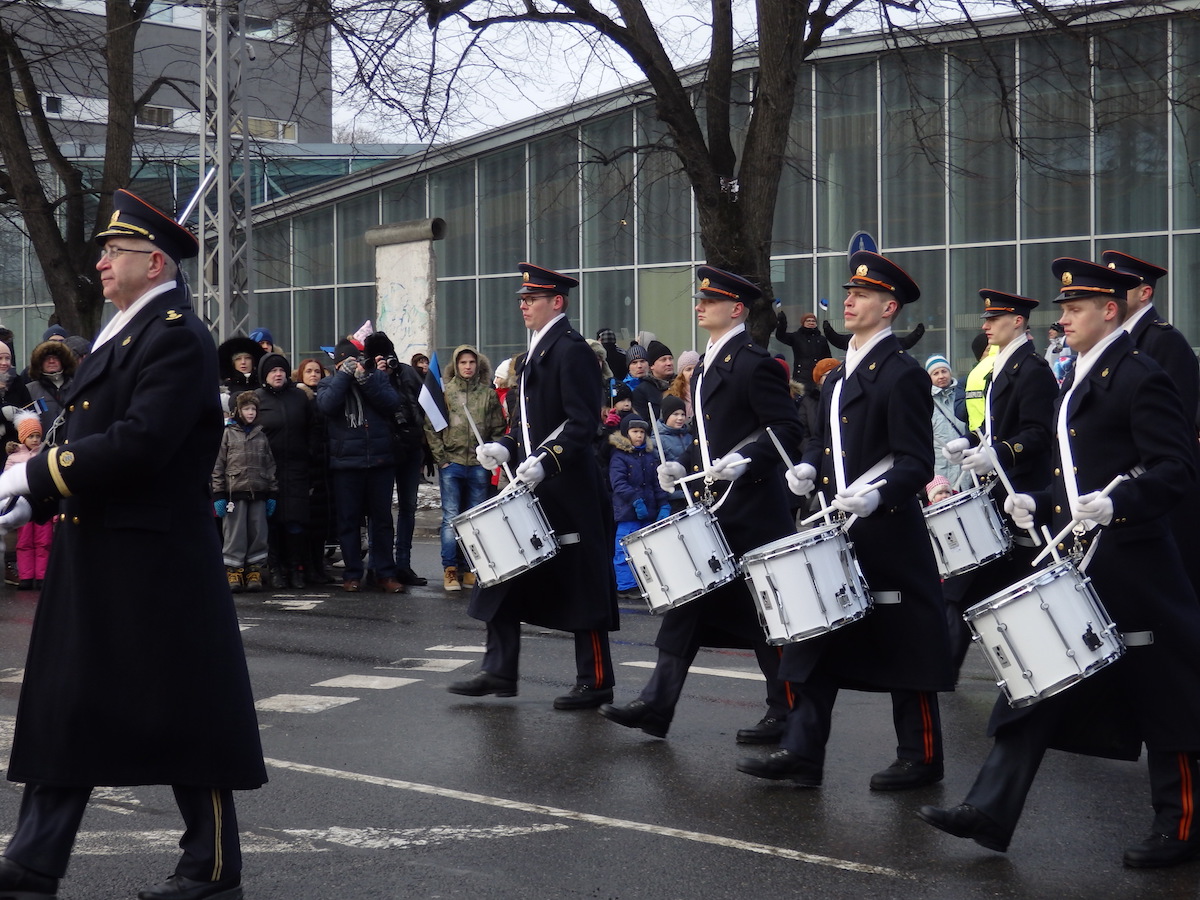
(966, 531)
(680, 558)
(806, 584)
(505, 535)
(1044, 634)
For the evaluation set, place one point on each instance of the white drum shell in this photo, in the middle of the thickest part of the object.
(505, 535)
(806, 584)
(679, 558)
(1044, 634)
(966, 531)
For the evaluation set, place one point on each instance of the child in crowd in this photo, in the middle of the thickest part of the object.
(676, 437)
(638, 500)
(33, 538)
(938, 489)
(243, 483)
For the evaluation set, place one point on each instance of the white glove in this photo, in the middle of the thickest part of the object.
(1020, 508)
(531, 472)
(801, 479)
(1093, 507)
(21, 513)
(728, 468)
(953, 451)
(669, 474)
(14, 482)
(977, 461)
(491, 455)
(857, 506)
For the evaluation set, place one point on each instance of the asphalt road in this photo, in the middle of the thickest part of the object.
(385, 786)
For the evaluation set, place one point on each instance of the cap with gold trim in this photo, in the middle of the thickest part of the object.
(135, 218)
(1081, 278)
(717, 284)
(998, 303)
(878, 273)
(536, 280)
(1131, 265)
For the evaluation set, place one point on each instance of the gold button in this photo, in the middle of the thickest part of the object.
(827, 451)
(71, 408)
(844, 419)
(1062, 546)
(1058, 509)
(825, 480)
(1072, 432)
(74, 520)
(86, 404)
(1058, 472)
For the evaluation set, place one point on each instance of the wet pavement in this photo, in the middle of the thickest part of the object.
(385, 786)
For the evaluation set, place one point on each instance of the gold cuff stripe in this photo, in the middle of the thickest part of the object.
(56, 473)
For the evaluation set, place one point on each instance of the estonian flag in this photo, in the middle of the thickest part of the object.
(433, 400)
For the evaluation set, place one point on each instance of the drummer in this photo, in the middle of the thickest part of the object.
(875, 413)
(1018, 425)
(1118, 415)
(555, 418)
(738, 391)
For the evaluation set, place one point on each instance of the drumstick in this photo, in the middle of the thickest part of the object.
(479, 437)
(1071, 525)
(861, 492)
(1012, 492)
(778, 446)
(662, 454)
(824, 511)
(737, 465)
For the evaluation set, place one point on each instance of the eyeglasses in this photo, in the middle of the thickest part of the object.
(530, 299)
(111, 253)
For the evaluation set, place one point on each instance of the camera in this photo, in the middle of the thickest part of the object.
(392, 362)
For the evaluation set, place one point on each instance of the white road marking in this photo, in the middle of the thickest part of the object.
(290, 603)
(702, 670)
(300, 703)
(451, 648)
(12, 676)
(367, 682)
(426, 665)
(303, 840)
(606, 821)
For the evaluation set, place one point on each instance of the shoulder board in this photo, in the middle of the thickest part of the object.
(1166, 326)
(173, 317)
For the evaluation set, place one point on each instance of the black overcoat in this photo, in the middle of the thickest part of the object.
(743, 391)
(1022, 406)
(576, 590)
(136, 672)
(1167, 346)
(1125, 414)
(886, 408)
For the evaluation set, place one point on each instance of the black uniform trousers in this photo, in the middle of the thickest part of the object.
(662, 691)
(593, 657)
(1007, 775)
(916, 717)
(50, 815)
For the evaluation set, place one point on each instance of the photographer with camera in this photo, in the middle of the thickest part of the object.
(408, 447)
(359, 404)
(464, 482)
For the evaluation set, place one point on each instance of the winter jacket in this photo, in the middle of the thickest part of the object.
(946, 427)
(456, 443)
(245, 468)
(288, 419)
(359, 419)
(50, 388)
(633, 474)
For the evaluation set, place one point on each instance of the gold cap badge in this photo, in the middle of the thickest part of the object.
(1067, 280)
(861, 271)
(704, 284)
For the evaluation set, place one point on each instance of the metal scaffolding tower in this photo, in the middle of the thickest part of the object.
(226, 273)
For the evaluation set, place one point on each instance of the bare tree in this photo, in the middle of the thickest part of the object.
(40, 45)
